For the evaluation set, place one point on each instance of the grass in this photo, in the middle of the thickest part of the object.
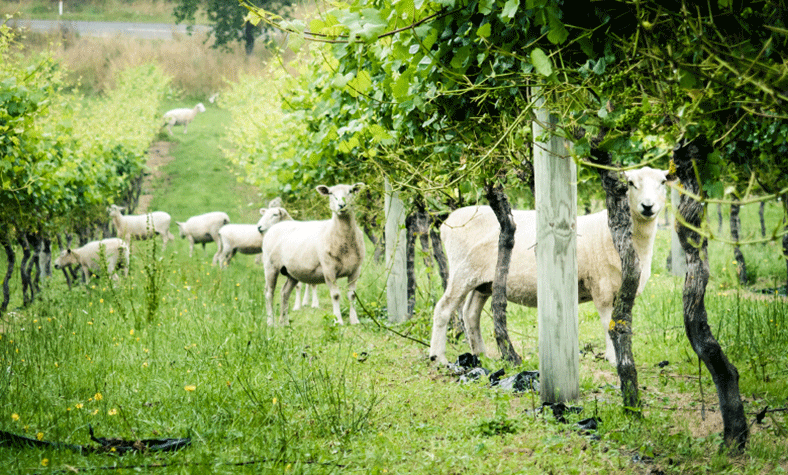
(144, 11)
(181, 349)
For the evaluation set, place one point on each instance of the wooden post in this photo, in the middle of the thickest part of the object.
(556, 262)
(678, 259)
(397, 282)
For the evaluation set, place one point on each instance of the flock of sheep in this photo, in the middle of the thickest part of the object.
(316, 252)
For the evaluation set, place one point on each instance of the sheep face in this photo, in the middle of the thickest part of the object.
(181, 228)
(646, 192)
(271, 216)
(200, 107)
(65, 258)
(340, 197)
(115, 210)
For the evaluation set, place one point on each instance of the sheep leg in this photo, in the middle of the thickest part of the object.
(447, 305)
(472, 316)
(297, 304)
(333, 290)
(290, 284)
(605, 314)
(270, 290)
(315, 303)
(351, 298)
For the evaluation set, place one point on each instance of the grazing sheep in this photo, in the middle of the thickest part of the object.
(182, 117)
(247, 238)
(314, 252)
(202, 229)
(89, 257)
(141, 226)
(470, 236)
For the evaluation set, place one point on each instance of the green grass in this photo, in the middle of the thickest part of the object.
(180, 348)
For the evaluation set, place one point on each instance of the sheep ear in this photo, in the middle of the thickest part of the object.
(262, 211)
(323, 190)
(669, 176)
(285, 214)
(358, 186)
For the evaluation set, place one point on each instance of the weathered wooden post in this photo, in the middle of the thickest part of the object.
(397, 282)
(678, 259)
(556, 261)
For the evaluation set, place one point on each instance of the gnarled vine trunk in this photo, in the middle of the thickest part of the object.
(619, 221)
(687, 156)
(503, 212)
(741, 266)
(10, 261)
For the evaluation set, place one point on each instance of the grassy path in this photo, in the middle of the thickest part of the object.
(199, 178)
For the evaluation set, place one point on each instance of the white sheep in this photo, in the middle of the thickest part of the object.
(182, 117)
(202, 229)
(141, 226)
(89, 257)
(247, 238)
(314, 252)
(470, 236)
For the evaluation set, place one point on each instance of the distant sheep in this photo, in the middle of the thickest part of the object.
(141, 226)
(470, 236)
(314, 252)
(88, 257)
(202, 229)
(247, 238)
(182, 117)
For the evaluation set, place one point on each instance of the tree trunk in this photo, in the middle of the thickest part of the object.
(45, 257)
(10, 260)
(24, 271)
(687, 156)
(249, 38)
(619, 221)
(741, 266)
(761, 211)
(410, 265)
(503, 211)
(719, 217)
(785, 237)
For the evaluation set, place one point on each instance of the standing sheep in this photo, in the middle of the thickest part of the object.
(182, 117)
(202, 229)
(314, 252)
(141, 226)
(470, 236)
(247, 238)
(89, 257)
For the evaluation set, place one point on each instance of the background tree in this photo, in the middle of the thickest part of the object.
(228, 19)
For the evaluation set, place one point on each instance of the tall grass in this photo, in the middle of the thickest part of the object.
(197, 70)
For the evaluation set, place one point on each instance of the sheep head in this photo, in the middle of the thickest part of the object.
(646, 192)
(340, 197)
(271, 216)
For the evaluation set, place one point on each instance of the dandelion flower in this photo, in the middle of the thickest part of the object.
(79, 405)
(44, 462)
(15, 417)
(98, 397)
(131, 332)
(112, 412)
(190, 387)
(40, 436)
(274, 401)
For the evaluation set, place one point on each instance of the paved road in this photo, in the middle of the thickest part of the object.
(151, 31)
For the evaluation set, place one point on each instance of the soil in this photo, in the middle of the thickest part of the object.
(158, 156)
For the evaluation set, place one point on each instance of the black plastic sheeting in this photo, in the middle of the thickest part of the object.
(468, 368)
(113, 446)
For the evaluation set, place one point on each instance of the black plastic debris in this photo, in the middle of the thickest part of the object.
(468, 360)
(473, 375)
(115, 446)
(121, 446)
(520, 382)
(664, 363)
(559, 409)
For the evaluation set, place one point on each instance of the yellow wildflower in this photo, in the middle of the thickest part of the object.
(190, 387)
(15, 417)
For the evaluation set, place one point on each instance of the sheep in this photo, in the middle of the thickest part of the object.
(141, 226)
(89, 257)
(202, 229)
(470, 236)
(182, 117)
(314, 252)
(247, 238)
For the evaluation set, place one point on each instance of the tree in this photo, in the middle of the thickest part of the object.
(228, 19)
